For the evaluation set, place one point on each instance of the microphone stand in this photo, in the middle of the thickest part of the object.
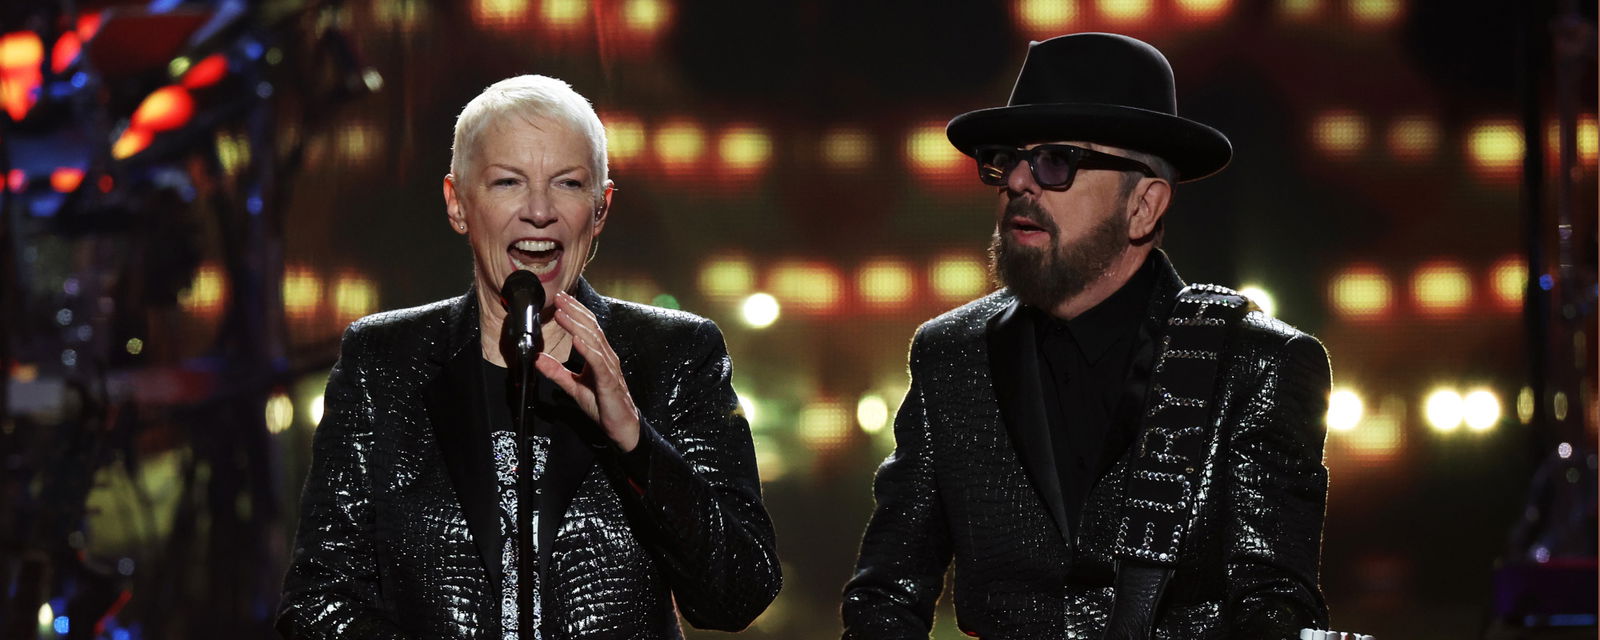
(527, 561)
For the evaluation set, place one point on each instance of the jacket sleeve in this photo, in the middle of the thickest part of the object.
(331, 589)
(700, 494)
(1278, 495)
(906, 548)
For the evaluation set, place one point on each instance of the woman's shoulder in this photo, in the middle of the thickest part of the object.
(398, 333)
(657, 323)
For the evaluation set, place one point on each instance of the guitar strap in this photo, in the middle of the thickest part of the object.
(1175, 443)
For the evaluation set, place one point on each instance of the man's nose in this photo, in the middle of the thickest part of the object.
(1020, 179)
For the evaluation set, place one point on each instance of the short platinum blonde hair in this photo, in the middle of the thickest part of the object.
(530, 96)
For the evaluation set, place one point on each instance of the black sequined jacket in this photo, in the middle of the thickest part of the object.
(959, 486)
(398, 534)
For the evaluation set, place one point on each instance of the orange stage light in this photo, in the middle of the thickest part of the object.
(1203, 10)
(165, 108)
(1125, 12)
(1360, 292)
(1509, 278)
(1045, 18)
(132, 141)
(20, 55)
(1441, 287)
(206, 72)
(66, 179)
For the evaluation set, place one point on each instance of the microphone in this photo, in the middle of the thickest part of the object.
(524, 298)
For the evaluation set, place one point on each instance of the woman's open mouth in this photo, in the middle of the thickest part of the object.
(537, 256)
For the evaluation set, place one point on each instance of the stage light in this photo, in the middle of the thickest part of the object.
(1345, 408)
(165, 108)
(66, 179)
(280, 413)
(1259, 295)
(847, 148)
(1509, 278)
(1495, 148)
(666, 301)
(872, 413)
(314, 409)
(88, 25)
(233, 153)
(16, 180)
(645, 16)
(744, 149)
(808, 286)
(1046, 18)
(67, 48)
(930, 152)
(207, 72)
(1378, 438)
(132, 141)
(46, 615)
(563, 14)
(1481, 409)
(1339, 133)
(759, 310)
(824, 425)
(1413, 138)
(499, 13)
(885, 282)
(205, 293)
(358, 142)
(679, 144)
(748, 409)
(1360, 292)
(134, 346)
(1124, 11)
(1375, 12)
(63, 625)
(1558, 406)
(302, 292)
(958, 278)
(1203, 10)
(1564, 450)
(1525, 405)
(354, 296)
(1443, 409)
(624, 138)
(1588, 139)
(1299, 9)
(771, 463)
(1441, 287)
(177, 66)
(20, 75)
(726, 277)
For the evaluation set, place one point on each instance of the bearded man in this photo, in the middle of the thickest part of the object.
(1102, 451)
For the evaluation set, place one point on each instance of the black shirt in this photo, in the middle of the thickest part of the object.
(1083, 370)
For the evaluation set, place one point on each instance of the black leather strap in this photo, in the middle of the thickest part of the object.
(1178, 423)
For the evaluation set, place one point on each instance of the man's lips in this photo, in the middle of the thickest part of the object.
(1024, 228)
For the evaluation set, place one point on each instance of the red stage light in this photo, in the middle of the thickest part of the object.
(165, 108)
(66, 50)
(106, 183)
(88, 24)
(66, 179)
(17, 180)
(206, 72)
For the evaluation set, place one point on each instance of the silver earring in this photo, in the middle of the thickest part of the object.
(462, 226)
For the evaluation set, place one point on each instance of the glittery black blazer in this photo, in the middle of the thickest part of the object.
(972, 478)
(398, 533)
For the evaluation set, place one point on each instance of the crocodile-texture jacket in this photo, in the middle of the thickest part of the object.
(958, 485)
(398, 534)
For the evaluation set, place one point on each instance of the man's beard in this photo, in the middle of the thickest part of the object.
(1046, 277)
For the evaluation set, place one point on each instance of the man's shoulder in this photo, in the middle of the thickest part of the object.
(966, 322)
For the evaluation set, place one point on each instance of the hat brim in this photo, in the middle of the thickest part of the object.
(1195, 150)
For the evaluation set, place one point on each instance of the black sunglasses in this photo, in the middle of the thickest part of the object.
(1053, 165)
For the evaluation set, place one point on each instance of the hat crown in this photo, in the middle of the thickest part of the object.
(1096, 68)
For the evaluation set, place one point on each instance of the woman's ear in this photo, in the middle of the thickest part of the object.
(452, 205)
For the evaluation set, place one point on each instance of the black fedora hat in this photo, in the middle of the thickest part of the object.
(1102, 88)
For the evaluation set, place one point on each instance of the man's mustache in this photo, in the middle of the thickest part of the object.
(1029, 210)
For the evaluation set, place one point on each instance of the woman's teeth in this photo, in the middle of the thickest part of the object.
(536, 256)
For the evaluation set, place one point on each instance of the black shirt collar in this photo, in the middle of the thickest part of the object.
(1095, 331)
